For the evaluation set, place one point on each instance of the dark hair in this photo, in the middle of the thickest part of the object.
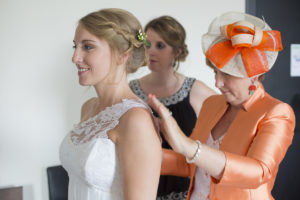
(173, 33)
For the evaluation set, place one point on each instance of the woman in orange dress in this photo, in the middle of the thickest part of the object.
(241, 135)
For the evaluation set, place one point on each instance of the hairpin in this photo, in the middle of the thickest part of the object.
(142, 37)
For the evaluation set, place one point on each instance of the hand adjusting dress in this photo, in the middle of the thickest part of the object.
(91, 158)
(174, 187)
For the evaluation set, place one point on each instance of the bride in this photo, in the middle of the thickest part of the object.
(114, 152)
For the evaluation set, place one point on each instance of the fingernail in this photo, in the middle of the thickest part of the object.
(149, 95)
(154, 96)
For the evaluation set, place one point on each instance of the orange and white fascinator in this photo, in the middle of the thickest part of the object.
(241, 45)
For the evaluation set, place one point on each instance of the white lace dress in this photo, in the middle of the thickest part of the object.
(90, 157)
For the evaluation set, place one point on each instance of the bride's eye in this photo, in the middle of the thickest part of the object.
(87, 47)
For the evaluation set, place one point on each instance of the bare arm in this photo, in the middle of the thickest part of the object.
(214, 161)
(140, 155)
(199, 93)
(273, 137)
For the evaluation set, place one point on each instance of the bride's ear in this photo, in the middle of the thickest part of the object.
(122, 58)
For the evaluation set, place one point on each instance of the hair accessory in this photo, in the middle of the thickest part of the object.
(243, 37)
(196, 154)
(142, 37)
(241, 45)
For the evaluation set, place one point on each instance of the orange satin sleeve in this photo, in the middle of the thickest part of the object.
(273, 137)
(174, 164)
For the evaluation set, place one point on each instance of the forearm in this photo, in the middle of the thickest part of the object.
(211, 160)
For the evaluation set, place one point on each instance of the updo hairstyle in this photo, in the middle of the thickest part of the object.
(119, 28)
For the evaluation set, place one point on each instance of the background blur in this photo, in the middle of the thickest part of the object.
(40, 98)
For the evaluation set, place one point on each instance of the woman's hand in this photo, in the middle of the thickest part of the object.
(214, 161)
(168, 125)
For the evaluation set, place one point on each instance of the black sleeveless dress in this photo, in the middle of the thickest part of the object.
(173, 187)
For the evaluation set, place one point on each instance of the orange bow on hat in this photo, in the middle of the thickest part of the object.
(250, 41)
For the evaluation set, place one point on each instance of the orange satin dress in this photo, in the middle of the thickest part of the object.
(254, 145)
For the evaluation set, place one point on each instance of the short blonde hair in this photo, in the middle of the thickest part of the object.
(119, 28)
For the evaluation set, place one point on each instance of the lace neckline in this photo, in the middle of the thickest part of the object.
(177, 97)
(107, 109)
(98, 125)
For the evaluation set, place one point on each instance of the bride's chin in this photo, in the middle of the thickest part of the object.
(82, 83)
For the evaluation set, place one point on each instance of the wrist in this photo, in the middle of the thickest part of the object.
(194, 151)
(188, 147)
(182, 143)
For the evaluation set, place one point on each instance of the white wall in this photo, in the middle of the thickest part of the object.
(40, 95)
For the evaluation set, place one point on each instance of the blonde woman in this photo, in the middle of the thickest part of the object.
(114, 152)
